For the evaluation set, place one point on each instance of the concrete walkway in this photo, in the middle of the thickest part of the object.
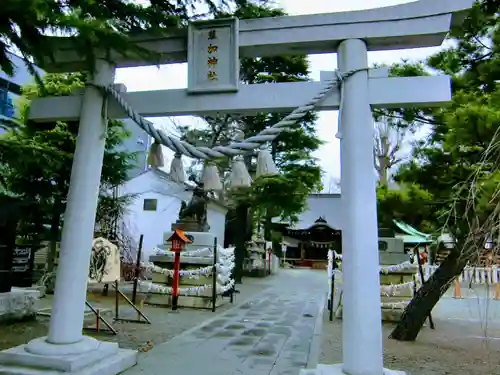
(278, 332)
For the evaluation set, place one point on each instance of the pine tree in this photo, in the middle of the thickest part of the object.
(33, 28)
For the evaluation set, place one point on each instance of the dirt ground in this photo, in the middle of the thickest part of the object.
(166, 323)
(457, 346)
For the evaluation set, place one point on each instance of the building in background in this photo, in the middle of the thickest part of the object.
(155, 207)
(317, 229)
(10, 87)
(138, 142)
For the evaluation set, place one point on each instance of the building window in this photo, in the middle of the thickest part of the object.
(150, 204)
(382, 246)
(6, 104)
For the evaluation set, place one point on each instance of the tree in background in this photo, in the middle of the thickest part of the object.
(37, 160)
(458, 164)
(388, 140)
(102, 25)
(408, 203)
(283, 195)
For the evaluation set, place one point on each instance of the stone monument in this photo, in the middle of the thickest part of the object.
(255, 262)
(193, 221)
(391, 251)
(193, 215)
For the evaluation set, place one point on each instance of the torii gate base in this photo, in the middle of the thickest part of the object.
(422, 23)
(338, 369)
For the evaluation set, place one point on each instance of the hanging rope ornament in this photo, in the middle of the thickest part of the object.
(265, 164)
(155, 156)
(177, 169)
(210, 177)
(239, 176)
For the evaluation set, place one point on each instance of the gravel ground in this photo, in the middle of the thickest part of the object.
(165, 323)
(457, 346)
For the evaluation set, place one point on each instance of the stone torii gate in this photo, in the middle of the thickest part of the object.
(351, 35)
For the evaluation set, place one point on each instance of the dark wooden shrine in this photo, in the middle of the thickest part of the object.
(313, 243)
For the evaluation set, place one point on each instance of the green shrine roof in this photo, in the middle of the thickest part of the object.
(411, 235)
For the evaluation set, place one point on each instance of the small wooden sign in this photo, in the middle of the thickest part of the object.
(213, 56)
(21, 257)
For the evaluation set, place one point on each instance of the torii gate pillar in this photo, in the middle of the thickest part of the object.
(362, 327)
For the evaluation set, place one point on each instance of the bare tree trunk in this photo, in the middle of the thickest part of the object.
(427, 297)
(268, 226)
(383, 170)
(388, 140)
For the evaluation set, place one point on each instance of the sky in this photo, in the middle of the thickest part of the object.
(175, 77)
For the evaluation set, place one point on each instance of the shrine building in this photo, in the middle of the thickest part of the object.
(317, 230)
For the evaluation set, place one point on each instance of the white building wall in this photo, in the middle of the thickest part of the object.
(216, 217)
(169, 195)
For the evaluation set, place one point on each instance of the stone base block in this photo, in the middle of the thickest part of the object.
(337, 370)
(105, 359)
(190, 226)
(18, 304)
(199, 239)
(392, 315)
(255, 272)
(166, 261)
(42, 290)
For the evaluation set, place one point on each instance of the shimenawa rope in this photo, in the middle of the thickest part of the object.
(236, 148)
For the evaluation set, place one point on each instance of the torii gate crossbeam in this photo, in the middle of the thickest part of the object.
(423, 23)
(384, 92)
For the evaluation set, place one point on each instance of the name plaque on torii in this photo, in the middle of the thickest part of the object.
(213, 56)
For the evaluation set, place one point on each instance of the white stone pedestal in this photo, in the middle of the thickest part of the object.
(337, 370)
(87, 357)
(201, 240)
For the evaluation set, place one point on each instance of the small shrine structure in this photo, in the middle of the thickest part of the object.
(308, 247)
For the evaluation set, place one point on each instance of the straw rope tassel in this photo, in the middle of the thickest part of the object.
(210, 177)
(177, 169)
(155, 156)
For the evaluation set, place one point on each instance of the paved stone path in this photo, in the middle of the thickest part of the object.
(277, 332)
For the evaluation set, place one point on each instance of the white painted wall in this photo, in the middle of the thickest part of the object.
(216, 217)
(169, 195)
